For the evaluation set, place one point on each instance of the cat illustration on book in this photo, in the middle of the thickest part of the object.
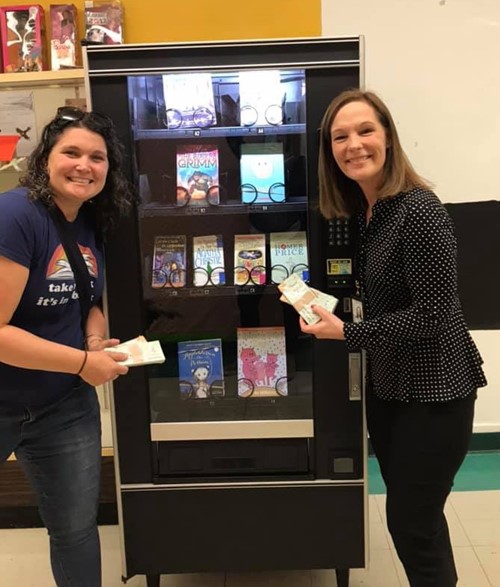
(262, 362)
(257, 368)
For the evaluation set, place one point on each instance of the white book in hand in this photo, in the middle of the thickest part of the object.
(302, 297)
(139, 351)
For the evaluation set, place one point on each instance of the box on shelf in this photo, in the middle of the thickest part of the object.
(21, 34)
(104, 22)
(63, 35)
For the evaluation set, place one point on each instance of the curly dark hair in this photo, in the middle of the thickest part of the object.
(117, 196)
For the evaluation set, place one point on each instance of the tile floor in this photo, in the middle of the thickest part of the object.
(473, 516)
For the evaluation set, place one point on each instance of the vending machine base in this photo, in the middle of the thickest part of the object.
(243, 527)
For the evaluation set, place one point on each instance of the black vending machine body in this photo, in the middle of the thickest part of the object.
(246, 448)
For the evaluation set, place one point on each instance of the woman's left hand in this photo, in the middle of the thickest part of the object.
(330, 326)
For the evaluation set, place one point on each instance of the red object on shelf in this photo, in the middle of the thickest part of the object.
(8, 145)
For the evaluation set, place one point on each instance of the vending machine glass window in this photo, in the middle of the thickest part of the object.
(220, 164)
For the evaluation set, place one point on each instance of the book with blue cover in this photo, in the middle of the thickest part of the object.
(201, 374)
(262, 173)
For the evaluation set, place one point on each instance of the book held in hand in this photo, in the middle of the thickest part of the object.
(139, 351)
(302, 297)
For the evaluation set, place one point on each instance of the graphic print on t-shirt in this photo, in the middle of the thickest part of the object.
(59, 271)
(59, 267)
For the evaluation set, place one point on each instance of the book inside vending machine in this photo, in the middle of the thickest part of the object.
(244, 449)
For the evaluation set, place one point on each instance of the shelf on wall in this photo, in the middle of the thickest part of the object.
(42, 78)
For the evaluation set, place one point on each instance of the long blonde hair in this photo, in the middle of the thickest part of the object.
(340, 196)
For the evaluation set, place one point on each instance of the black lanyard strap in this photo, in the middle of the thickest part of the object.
(76, 261)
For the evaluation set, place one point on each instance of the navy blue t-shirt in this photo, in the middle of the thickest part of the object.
(49, 306)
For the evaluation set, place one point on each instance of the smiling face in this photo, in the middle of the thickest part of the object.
(359, 145)
(77, 168)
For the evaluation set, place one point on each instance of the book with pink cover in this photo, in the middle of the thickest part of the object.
(262, 368)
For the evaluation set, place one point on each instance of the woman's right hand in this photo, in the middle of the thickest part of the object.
(102, 366)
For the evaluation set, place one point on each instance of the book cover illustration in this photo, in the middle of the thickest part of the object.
(21, 33)
(169, 261)
(261, 98)
(189, 100)
(62, 36)
(262, 171)
(197, 175)
(288, 255)
(104, 21)
(249, 259)
(262, 362)
(201, 374)
(208, 261)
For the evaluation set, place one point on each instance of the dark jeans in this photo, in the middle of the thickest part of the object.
(59, 447)
(420, 447)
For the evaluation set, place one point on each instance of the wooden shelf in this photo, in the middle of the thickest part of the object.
(64, 77)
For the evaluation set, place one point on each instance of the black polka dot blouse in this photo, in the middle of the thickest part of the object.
(418, 345)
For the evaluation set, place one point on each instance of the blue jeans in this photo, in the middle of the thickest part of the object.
(59, 447)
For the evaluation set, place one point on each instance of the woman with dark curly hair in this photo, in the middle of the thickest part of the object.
(50, 356)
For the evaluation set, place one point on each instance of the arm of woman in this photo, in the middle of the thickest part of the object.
(20, 348)
(95, 331)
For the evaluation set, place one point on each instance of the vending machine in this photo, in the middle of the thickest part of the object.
(246, 449)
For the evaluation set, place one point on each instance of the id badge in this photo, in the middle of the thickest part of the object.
(357, 310)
